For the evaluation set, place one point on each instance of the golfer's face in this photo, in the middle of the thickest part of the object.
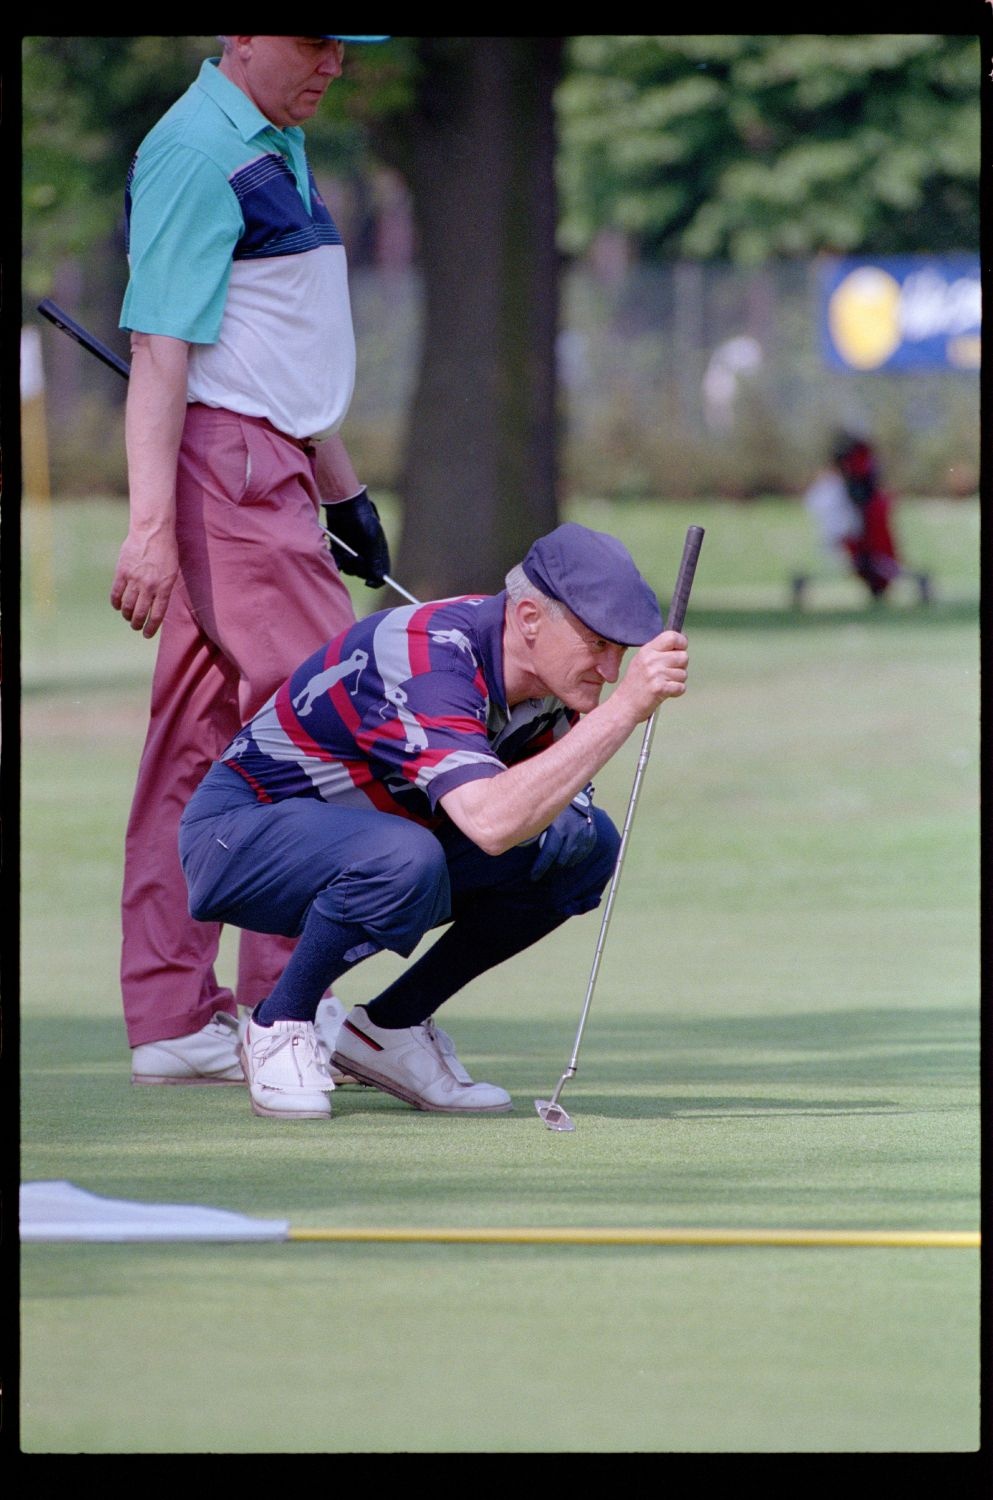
(288, 76)
(577, 663)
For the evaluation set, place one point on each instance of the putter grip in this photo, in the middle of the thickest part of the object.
(684, 579)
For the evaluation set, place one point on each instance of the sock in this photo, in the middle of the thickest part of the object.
(472, 944)
(324, 952)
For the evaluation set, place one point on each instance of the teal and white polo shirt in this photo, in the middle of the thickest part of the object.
(231, 248)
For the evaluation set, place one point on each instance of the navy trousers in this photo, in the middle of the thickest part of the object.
(378, 881)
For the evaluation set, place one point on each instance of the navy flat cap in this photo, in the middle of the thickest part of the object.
(594, 575)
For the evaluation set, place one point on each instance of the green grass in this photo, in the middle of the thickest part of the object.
(784, 1034)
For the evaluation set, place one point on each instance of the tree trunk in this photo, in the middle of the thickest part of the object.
(480, 467)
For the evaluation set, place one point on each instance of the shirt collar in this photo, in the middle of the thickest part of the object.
(489, 619)
(245, 116)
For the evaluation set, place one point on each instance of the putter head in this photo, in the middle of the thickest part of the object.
(553, 1115)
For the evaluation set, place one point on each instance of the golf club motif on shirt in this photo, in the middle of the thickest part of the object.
(454, 638)
(416, 737)
(323, 682)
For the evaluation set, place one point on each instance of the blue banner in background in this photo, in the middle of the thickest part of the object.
(901, 313)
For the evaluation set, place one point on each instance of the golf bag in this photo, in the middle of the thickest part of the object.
(870, 544)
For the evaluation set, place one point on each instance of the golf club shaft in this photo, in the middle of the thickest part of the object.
(396, 587)
(674, 621)
(90, 342)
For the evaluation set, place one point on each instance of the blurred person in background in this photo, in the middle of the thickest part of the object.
(854, 514)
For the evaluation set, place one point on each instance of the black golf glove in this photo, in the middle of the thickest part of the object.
(570, 838)
(356, 522)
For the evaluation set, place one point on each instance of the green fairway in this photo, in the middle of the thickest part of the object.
(784, 1035)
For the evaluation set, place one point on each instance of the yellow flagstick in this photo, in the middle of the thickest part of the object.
(867, 1238)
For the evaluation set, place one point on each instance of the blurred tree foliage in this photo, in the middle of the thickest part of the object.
(743, 147)
(722, 148)
(470, 123)
(707, 147)
(89, 100)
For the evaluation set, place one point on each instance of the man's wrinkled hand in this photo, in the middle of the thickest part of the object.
(143, 582)
(658, 671)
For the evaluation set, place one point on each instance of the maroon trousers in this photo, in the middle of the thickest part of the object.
(257, 592)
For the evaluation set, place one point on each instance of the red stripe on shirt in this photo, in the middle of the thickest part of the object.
(256, 786)
(450, 722)
(418, 639)
(293, 729)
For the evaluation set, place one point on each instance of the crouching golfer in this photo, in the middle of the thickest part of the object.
(429, 766)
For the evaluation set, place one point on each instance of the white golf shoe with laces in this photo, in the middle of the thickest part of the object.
(287, 1071)
(417, 1064)
(211, 1055)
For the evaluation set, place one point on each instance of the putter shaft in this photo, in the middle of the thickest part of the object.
(646, 746)
(386, 577)
(674, 621)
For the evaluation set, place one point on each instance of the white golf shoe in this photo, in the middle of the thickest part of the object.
(211, 1055)
(287, 1072)
(327, 1022)
(417, 1064)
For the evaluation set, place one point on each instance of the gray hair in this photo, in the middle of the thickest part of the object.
(519, 586)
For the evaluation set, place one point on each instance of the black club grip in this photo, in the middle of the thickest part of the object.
(684, 579)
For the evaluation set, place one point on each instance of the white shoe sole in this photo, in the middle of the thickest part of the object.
(345, 1080)
(387, 1086)
(147, 1078)
(289, 1114)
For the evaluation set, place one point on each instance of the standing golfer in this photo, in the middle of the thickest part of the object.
(430, 765)
(242, 372)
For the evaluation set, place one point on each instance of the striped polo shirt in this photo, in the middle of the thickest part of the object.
(231, 248)
(399, 709)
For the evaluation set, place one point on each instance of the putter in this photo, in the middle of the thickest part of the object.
(93, 345)
(551, 1111)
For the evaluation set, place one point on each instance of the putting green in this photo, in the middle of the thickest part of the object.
(784, 1042)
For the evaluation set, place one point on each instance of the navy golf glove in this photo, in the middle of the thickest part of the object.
(357, 523)
(570, 838)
